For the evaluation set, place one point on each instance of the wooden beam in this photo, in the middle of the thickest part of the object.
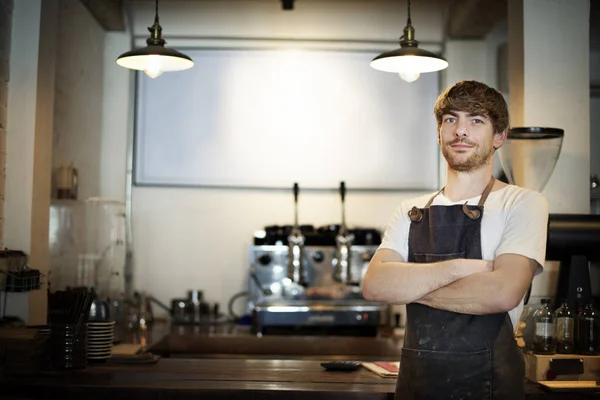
(109, 13)
(473, 19)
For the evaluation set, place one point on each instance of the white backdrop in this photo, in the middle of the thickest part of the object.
(268, 118)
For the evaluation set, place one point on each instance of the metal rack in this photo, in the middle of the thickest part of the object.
(15, 274)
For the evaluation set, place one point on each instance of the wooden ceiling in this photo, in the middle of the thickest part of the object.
(110, 14)
(473, 19)
(466, 19)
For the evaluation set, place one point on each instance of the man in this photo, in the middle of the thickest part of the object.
(461, 260)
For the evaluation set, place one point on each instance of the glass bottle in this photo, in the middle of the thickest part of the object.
(564, 318)
(543, 339)
(588, 342)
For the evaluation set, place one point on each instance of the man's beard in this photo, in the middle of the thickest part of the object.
(477, 159)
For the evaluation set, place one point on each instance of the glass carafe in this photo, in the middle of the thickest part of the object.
(564, 318)
(544, 337)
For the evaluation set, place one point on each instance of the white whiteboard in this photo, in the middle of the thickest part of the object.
(269, 118)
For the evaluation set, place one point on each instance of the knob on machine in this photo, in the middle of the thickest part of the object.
(264, 259)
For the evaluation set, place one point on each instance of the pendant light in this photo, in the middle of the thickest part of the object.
(409, 61)
(155, 58)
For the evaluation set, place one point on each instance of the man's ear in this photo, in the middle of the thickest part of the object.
(499, 138)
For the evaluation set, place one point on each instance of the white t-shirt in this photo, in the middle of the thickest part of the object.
(515, 220)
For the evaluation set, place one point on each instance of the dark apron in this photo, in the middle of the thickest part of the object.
(448, 355)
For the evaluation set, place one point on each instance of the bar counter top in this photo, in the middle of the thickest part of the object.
(225, 364)
(216, 379)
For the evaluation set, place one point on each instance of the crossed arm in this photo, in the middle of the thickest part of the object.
(459, 285)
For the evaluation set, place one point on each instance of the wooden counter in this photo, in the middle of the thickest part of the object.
(279, 347)
(229, 364)
(211, 378)
(215, 379)
(230, 341)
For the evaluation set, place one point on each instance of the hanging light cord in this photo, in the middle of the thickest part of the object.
(408, 39)
(156, 12)
(155, 30)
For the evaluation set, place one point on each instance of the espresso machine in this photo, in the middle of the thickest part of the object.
(528, 158)
(307, 280)
(574, 241)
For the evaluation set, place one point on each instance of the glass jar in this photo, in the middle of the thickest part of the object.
(564, 318)
(544, 338)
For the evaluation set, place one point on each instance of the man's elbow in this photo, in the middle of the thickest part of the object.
(508, 300)
(369, 290)
(372, 289)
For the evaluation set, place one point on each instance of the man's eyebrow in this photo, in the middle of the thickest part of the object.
(477, 115)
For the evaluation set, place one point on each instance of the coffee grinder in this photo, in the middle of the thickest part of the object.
(528, 158)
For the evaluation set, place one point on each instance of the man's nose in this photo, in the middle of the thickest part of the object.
(461, 129)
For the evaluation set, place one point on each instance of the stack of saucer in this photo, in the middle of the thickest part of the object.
(44, 330)
(100, 335)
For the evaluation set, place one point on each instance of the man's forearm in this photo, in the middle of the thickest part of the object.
(488, 292)
(402, 283)
(476, 294)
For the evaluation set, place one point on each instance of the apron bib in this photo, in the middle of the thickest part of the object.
(449, 355)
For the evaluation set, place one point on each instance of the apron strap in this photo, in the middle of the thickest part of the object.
(486, 191)
(415, 214)
(433, 197)
(474, 214)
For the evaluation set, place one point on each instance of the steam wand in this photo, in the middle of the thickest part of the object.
(343, 241)
(296, 246)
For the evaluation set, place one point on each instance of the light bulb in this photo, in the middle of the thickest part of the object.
(153, 67)
(409, 75)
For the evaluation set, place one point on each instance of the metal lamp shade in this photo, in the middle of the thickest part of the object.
(409, 58)
(170, 60)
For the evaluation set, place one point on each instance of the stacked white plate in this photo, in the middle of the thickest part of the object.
(100, 336)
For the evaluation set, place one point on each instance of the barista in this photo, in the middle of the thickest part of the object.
(461, 260)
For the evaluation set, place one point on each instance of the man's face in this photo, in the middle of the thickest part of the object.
(468, 140)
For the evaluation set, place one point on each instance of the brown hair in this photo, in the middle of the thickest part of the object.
(474, 98)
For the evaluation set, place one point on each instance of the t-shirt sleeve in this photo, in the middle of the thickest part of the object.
(526, 228)
(395, 236)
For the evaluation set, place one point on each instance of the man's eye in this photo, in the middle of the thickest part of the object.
(478, 121)
(449, 120)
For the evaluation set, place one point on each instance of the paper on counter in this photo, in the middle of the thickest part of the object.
(386, 369)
